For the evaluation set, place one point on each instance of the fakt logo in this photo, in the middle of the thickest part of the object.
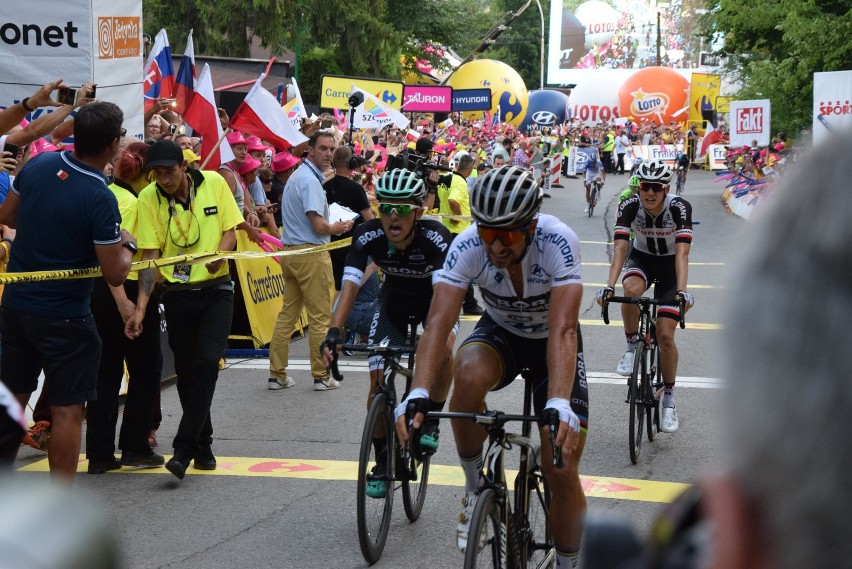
(749, 120)
(119, 37)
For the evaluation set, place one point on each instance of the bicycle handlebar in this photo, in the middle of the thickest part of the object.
(643, 302)
(378, 349)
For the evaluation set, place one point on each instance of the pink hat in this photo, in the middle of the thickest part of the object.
(41, 145)
(254, 143)
(250, 164)
(235, 138)
(283, 161)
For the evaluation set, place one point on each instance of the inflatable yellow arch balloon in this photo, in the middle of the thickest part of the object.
(508, 90)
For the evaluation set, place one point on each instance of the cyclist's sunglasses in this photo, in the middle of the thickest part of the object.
(655, 187)
(507, 237)
(401, 209)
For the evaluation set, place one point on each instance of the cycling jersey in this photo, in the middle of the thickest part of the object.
(655, 235)
(552, 259)
(409, 272)
(683, 160)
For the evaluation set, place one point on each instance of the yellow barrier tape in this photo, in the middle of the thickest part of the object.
(205, 257)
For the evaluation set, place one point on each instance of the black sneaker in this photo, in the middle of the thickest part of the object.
(97, 466)
(204, 459)
(142, 459)
(178, 464)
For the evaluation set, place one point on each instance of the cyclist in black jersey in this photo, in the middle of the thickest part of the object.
(409, 251)
(662, 229)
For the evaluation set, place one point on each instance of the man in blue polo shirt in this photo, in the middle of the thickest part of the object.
(48, 325)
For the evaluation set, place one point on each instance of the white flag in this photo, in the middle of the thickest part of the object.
(372, 113)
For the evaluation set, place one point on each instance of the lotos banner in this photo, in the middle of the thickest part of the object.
(750, 120)
(79, 41)
(832, 108)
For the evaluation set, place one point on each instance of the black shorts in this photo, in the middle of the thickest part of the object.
(660, 271)
(394, 309)
(67, 349)
(528, 357)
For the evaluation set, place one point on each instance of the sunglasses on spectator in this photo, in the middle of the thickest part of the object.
(401, 209)
(507, 237)
(655, 187)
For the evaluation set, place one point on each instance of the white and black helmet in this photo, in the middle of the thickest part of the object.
(505, 196)
(654, 171)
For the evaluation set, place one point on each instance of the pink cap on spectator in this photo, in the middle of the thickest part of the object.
(254, 143)
(41, 145)
(283, 161)
(249, 165)
(235, 138)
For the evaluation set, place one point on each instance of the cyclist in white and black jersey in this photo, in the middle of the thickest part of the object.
(662, 228)
(527, 266)
(410, 252)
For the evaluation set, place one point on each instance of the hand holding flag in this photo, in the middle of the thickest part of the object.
(159, 76)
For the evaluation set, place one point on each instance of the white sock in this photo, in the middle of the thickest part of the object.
(668, 395)
(472, 468)
(565, 560)
(631, 340)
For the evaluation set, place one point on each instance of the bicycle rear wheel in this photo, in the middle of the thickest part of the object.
(637, 405)
(414, 491)
(374, 513)
(536, 539)
(487, 540)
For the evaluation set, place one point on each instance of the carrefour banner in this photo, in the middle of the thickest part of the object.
(263, 290)
(79, 41)
(832, 111)
(750, 120)
(703, 90)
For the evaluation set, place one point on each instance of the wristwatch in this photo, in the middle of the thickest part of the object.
(131, 246)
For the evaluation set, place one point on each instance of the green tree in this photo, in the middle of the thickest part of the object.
(773, 48)
(520, 45)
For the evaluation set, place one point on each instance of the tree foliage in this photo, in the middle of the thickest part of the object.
(773, 48)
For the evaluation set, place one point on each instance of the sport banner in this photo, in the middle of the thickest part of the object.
(703, 91)
(832, 111)
(263, 290)
(750, 120)
(716, 157)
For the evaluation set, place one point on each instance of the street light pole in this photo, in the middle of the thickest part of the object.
(541, 59)
(659, 39)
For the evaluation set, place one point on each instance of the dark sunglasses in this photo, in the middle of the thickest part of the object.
(507, 237)
(655, 187)
(400, 209)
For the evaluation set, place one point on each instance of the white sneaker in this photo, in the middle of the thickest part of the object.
(587, 209)
(275, 383)
(625, 366)
(468, 504)
(326, 384)
(669, 422)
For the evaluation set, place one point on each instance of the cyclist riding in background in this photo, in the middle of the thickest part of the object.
(682, 163)
(594, 167)
(662, 225)
(409, 251)
(527, 265)
(631, 189)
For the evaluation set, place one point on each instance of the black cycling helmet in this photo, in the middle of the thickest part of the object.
(506, 196)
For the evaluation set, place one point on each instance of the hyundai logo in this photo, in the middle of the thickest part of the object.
(544, 117)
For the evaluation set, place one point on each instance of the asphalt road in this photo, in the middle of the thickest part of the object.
(275, 502)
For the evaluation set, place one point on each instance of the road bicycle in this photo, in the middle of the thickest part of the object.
(680, 180)
(401, 471)
(511, 531)
(594, 194)
(646, 380)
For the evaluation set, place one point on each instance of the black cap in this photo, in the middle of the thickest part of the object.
(165, 153)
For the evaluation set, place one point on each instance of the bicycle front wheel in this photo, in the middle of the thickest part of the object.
(486, 539)
(637, 405)
(593, 200)
(537, 548)
(414, 491)
(655, 379)
(374, 506)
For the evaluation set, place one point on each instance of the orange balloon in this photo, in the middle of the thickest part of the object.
(655, 94)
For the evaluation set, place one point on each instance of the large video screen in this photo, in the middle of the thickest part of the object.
(595, 38)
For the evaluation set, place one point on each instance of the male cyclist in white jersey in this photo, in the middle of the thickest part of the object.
(662, 229)
(527, 266)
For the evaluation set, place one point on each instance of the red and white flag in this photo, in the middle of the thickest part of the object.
(711, 136)
(260, 114)
(203, 117)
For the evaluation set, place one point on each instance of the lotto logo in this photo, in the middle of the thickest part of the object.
(119, 37)
(749, 120)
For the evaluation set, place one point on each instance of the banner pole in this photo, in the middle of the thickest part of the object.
(215, 148)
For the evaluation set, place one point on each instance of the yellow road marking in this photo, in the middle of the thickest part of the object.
(443, 475)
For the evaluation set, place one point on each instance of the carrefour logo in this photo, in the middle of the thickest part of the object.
(545, 118)
(645, 104)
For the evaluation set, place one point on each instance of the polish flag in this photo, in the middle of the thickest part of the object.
(185, 81)
(260, 114)
(711, 136)
(159, 75)
(203, 117)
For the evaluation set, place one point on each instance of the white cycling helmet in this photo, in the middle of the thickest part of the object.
(654, 171)
(506, 196)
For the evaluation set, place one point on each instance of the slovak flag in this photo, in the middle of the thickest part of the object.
(203, 116)
(260, 114)
(159, 76)
(185, 82)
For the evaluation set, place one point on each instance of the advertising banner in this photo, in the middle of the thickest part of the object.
(336, 89)
(832, 108)
(427, 99)
(79, 41)
(703, 92)
(716, 157)
(471, 99)
(750, 120)
(263, 290)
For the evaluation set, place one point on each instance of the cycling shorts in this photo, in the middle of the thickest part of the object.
(528, 357)
(591, 175)
(659, 270)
